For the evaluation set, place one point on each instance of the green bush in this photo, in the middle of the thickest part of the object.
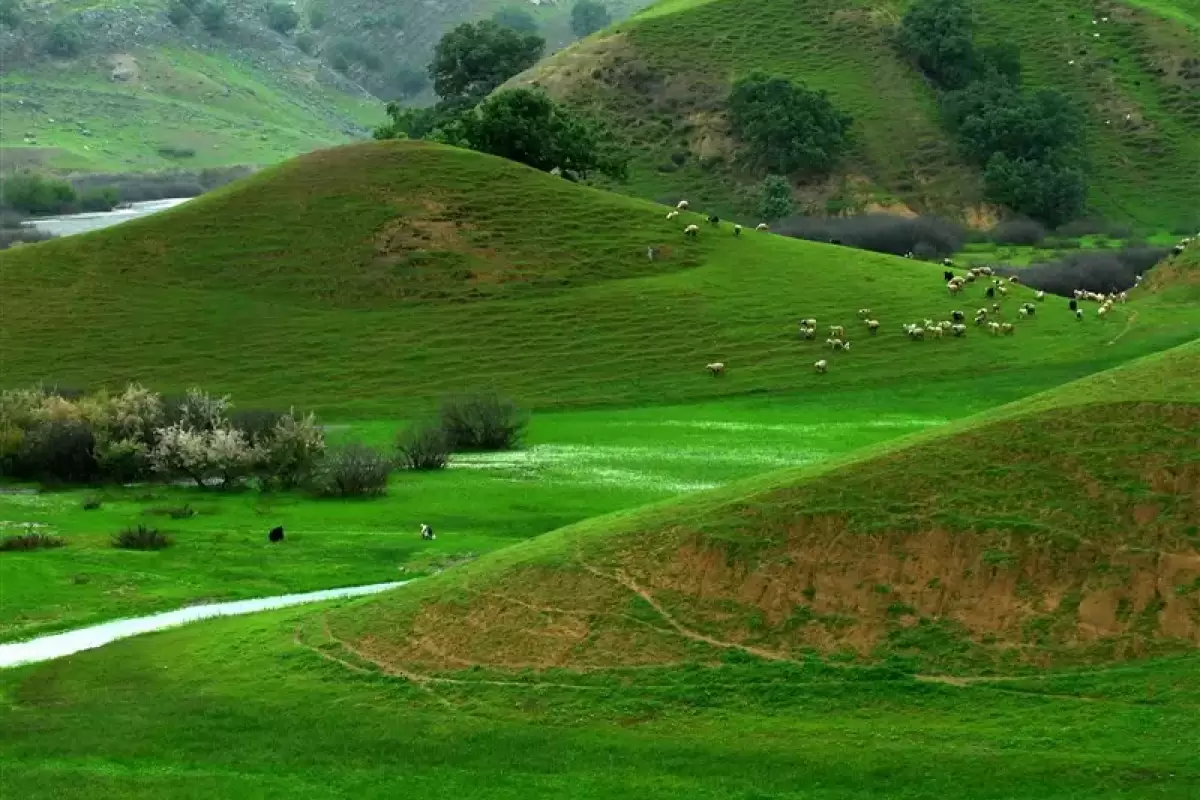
(318, 15)
(1049, 192)
(11, 13)
(345, 52)
(482, 422)
(65, 39)
(31, 541)
(518, 19)
(786, 127)
(212, 15)
(102, 198)
(937, 35)
(178, 13)
(775, 198)
(92, 503)
(58, 450)
(35, 194)
(355, 470)
(142, 538)
(282, 17)
(307, 43)
(423, 446)
(589, 16)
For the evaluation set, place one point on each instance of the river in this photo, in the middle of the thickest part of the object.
(69, 224)
(58, 645)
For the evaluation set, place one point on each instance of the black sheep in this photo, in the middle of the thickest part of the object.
(957, 316)
(1074, 305)
(948, 276)
(714, 219)
(276, 534)
(991, 291)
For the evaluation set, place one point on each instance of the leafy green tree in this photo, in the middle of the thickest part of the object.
(35, 194)
(282, 17)
(527, 126)
(937, 34)
(419, 123)
(404, 82)
(787, 127)
(589, 16)
(775, 198)
(1049, 192)
(10, 13)
(212, 15)
(65, 39)
(318, 15)
(474, 58)
(178, 13)
(518, 19)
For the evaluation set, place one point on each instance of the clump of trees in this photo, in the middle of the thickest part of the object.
(775, 198)
(282, 17)
(474, 58)
(787, 127)
(518, 19)
(589, 16)
(65, 39)
(1093, 270)
(11, 13)
(59, 436)
(925, 237)
(1030, 145)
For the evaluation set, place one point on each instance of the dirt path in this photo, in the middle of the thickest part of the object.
(1132, 318)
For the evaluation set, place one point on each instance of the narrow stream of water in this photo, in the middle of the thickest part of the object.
(70, 224)
(58, 645)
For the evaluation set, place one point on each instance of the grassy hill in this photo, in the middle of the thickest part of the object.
(664, 74)
(368, 280)
(1061, 529)
(140, 92)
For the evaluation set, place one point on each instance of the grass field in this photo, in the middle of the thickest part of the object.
(304, 702)
(409, 271)
(663, 76)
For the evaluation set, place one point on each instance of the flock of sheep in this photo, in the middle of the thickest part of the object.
(996, 289)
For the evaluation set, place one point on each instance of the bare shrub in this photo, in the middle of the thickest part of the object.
(24, 542)
(355, 470)
(1018, 231)
(142, 538)
(482, 422)
(423, 446)
(880, 233)
(1090, 270)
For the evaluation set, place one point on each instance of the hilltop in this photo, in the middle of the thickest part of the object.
(404, 269)
(1061, 529)
(124, 85)
(663, 77)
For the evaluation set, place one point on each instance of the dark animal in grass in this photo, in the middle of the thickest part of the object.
(991, 291)
(713, 219)
(835, 241)
(948, 275)
(276, 534)
(1074, 304)
(427, 532)
(957, 316)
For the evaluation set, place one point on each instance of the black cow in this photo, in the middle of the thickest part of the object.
(276, 534)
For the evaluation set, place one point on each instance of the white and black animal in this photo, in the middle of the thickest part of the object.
(714, 220)
(427, 532)
(737, 230)
(692, 231)
(762, 226)
(821, 366)
(716, 369)
(681, 205)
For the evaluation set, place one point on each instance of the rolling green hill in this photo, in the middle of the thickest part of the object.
(370, 279)
(663, 76)
(1063, 528)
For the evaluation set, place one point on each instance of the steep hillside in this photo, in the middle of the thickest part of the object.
(375, 277)
(126, 85)
(664, 76)
(1062, 529)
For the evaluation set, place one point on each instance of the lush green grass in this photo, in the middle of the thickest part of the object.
(664, 73)
(370, 280)
(206, 104)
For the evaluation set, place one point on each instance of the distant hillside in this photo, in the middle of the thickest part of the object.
(118, 85)
(377, 277)
(1062, 529)
(664, 76)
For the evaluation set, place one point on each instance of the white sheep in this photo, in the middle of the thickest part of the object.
(821, 366)
(953, 288)
(1041, 296)
(681, 205)
(863, 313)
(835, 344)
(837, 330)
(873, 326)
(958, 331)
(1079, 314)
(1024, 312)
(937, 332)
(737, 230)
(692, 231)
(1008, 329)
(811, 322)
(808, 333)
(716, 368)
(994, 328)
(672, 215)
(762, 226)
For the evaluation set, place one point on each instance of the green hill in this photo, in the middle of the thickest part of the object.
(406, 270)
(1063, 528)
(663, 77)
(137, 90)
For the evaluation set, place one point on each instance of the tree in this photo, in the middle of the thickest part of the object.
(589, 16)
(65, 39)
(937, 34)
(404, 82)
(527, 126)
(318, 15)
(474, 58)
(775, 198)
(518, 19)
(212, 16)
(34, 194)
(178, 14)
(10, 13)
(788, 127)
(1049, 192)
(282, 17)
(991, 117)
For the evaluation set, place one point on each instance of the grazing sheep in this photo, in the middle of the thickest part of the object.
(716, 368)
(945, 324)
(983, 312)
(1008, 329)
(762, 226)
(1041, 296)
(947, 276)
(681, 205)
(427, 533)
(873, 326)
(1074, 305)
(957, 316)
(714, 220)
(915, 333)
(835, 344)
(811, 322)
(937, 332)
(837, 330)
(928, 323)
(737, 230)
(808, 333)
(692, 231)
(970, 277)
(1079, 314)
(672, 215)
(958, 331)
(1030, 308)
(1003, 292)
(909, 254)
(821, 366)
(845, 345)
(996, 307)
(994, 328)
(276, 534)
(1024, 312)
(953, 288)
(946, 262)
(863, 313)
(1014, 279)
(1123, 297)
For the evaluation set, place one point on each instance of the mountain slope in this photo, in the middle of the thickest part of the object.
(665, 73)
(377, 277)
(1060, 529)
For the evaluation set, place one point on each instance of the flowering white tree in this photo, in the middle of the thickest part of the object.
(203, 456)
(294, 450)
